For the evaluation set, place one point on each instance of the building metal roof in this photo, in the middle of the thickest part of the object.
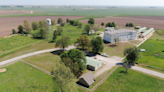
(109, 28)
(92, 61)
(142, 29)
(89, 78)
(120, 31)
(147, 32)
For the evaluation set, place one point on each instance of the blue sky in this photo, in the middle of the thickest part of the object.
(85, 2)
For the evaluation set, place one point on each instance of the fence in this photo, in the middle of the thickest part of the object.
(98, 84)
(45, 71)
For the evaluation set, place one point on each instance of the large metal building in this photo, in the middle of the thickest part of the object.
(122, 34)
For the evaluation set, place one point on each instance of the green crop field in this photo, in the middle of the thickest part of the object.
(14, 43)
(92, 12)
(131, 82)
(20, 77)
(154, 55)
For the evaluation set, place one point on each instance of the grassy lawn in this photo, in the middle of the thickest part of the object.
(20, 77)
(154, 55)
(45, 61)
(14, 43)
(118, 50)
(133, 81)
(135, 41)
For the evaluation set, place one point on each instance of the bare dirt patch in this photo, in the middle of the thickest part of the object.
(156, 22)
(9, 23)
(13, 12)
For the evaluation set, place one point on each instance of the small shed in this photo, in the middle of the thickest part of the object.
(137, 27)
(48, 21)
(87, 79)
(93, 64)
(142, 50)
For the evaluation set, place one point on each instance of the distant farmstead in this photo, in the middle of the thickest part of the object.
(123, 35)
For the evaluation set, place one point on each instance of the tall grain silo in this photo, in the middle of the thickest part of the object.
(49, 22)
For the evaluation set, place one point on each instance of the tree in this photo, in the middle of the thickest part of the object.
(97, 45)
(59, 30)
(63, 42)
(109, 25)
(53, 22)
(102, 24)
(20, 29)
(27, 27)
(71, 22)
(80, 24)
(64, 78)
(13, 31)
(114, 25)
(87, 29)
(67, 20)
(40, 24)
(95, 28)
(60, 20)
(132, 55)
(44, 23)
(35, 25)
(75, 59)
(83, 41)
(42, 33)
(127, 24)
(75, 23)
(55, 34)
(91, 21)
(116, 39)
(131, 25)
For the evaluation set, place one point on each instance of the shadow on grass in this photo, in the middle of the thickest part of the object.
(57, 52)
(51, 41)
(122, 71)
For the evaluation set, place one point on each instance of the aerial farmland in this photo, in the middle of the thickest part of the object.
(81, 48)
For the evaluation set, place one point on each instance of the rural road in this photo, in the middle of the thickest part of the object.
(31, 54)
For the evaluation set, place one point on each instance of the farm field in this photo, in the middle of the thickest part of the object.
(13, 12)
(94, 11)
(20, 77)
(132, 81)
(147, 21)
(154, 55)
(9, 23)
(14, 43)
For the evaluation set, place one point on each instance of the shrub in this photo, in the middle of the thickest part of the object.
(20, 29)
(13, 31)
(62, 24)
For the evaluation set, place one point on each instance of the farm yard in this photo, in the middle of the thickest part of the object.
(9, 23)
(14, 43)
(132, 81)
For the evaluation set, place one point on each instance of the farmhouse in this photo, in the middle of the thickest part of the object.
(93, 64)
(87, 79)
(122, 34)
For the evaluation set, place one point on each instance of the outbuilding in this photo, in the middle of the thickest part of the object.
(87, 79)
(93, 64)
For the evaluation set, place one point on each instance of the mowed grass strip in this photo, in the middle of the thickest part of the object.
(131, 82)
(45, 61)
(21, 77)
(154, 54)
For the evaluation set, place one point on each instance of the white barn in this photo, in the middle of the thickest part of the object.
(123, 35)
